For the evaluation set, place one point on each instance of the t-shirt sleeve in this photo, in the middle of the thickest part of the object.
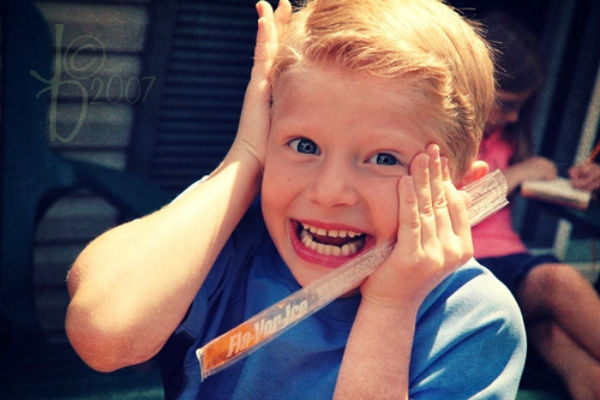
(470, 341)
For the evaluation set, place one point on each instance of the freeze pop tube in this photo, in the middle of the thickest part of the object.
(488, 195)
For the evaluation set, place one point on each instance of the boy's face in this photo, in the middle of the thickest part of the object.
(337, 146)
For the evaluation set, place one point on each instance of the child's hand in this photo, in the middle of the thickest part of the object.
(255, 121)
(585, 176)
(433, 239)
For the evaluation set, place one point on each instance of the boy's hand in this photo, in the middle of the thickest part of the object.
(254, 124)
(433, 239)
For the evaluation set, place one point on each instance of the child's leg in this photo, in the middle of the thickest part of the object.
(580, 371)
(559, 293)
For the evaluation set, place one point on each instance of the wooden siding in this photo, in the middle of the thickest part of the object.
(101, 45)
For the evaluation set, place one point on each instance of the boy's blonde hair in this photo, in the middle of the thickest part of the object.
(423, 42)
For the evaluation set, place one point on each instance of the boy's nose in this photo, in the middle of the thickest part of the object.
(334, 184)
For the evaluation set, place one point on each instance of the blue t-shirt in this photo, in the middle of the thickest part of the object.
(469, 340)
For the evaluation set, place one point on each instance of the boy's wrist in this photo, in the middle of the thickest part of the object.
(386, 305)
(246, 159)
(245, 151)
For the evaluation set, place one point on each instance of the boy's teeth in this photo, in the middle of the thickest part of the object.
(349, 248)
(323, 249)
(346, 250)
(334, 233)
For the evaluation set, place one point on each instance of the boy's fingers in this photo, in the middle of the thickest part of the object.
(282, 14)
(457, 208)
(458, 203)
(264, 51)
(270, 24)
(266, 33)
(264, 9)
(420, 174)
(409, 224)
(254, 122)
(438, 191)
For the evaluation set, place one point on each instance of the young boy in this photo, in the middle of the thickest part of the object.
(377, 106)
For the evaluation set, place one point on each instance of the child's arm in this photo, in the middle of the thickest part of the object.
(433, 239)
(532, 168)
(132, 286)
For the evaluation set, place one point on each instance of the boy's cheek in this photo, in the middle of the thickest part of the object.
(394, 231)
(387, 215)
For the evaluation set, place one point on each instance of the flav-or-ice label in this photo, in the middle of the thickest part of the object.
(265, 327)
(258, 329)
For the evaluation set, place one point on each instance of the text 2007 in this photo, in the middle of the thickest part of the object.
(115, 89)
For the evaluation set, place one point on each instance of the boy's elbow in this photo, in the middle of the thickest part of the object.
(85, 336)
(104, 343)
(99, 327)
(96, 348)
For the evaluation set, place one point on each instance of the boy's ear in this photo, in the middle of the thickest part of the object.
(477, 170)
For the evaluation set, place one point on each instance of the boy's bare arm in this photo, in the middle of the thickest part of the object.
(433, 239)
(132, 286)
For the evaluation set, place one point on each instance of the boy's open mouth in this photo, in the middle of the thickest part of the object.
(330, 242)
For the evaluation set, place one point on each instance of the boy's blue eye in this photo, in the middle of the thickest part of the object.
(384, 159)
(303, 145)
